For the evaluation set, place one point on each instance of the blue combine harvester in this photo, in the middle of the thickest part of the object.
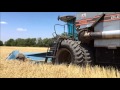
(92, 37)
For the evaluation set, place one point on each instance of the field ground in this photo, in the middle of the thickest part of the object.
(17, 69)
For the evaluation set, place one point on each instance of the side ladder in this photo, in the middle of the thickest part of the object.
(52, 50)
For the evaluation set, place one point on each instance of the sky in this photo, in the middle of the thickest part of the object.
(30, 24)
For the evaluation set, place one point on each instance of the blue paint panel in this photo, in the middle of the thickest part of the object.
(32, 56)
(13, 55)
(72, 28)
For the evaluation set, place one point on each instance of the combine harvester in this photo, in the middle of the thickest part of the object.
(92, 37)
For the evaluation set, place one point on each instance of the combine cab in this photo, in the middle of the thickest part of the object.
(92, 37)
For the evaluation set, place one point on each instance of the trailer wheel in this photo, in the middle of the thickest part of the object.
(69, 52)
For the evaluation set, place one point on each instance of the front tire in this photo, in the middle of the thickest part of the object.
(69, 52)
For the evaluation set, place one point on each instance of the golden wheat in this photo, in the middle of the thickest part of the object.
(17, 69)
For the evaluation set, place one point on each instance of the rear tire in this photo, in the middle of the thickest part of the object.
(69, 52)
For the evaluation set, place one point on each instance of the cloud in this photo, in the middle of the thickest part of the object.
(21, 29)
(3, 22)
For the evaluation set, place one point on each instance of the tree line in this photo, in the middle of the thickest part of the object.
(33, 42)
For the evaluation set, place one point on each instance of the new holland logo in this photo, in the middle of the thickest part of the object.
(83, 15)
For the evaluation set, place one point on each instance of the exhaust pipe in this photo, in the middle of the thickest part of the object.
(85, 35)
(113, 34)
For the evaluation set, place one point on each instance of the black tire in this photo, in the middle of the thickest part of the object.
(69, 52)
(87, 54)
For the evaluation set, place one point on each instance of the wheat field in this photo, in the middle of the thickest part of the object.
(17, 69)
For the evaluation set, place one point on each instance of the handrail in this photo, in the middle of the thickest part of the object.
(59, 25)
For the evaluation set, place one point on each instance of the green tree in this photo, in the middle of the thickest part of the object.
(10, 42)
(47, 42)
(33, 42)
(30, 42)
(1, 43)
(39, 42)
(20, 42)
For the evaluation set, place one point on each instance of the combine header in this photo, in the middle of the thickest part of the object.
(92, 37)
